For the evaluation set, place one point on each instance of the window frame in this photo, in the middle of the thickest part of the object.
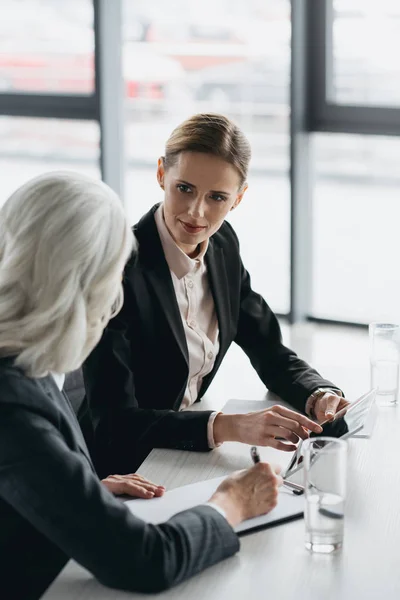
(324, 114)
(312, 110)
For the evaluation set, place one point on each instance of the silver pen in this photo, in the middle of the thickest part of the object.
(295, 487)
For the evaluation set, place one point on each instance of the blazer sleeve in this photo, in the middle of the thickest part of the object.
(259, 335)
(124, 433)
(55, 490)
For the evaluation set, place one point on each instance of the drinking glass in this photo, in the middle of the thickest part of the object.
(385, 361)
(325, 473)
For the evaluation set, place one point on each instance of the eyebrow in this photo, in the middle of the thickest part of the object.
(195, 187)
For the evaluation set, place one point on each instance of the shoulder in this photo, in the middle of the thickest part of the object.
(147, 224)
(149, 249)
(13, 379)
(24, 394)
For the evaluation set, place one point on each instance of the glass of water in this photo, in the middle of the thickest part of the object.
(325, 474)
(385, 361)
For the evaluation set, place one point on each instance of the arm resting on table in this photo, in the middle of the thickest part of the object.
(55, 490)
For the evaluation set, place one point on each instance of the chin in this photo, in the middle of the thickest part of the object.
(190, 240)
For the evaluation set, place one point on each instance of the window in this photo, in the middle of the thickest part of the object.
(366, 50)
(180, 62)
(30, 147)
(356, 224)
(47, 47)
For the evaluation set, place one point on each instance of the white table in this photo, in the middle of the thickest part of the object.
(273, 563)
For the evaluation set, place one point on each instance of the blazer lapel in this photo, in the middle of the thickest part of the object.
(215, 262)
(156, 272)
(164, 290)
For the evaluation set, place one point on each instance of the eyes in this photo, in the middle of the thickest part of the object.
(186, 189)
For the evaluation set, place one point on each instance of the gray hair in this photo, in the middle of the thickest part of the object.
(64, 242)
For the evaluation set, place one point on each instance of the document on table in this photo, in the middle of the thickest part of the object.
(158, 510)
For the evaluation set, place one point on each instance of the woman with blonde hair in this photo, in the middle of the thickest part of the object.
(188, 297)
(64, 242)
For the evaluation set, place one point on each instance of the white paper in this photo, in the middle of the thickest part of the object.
(158, 510)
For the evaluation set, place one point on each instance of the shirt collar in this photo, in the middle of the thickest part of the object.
(59, 378)
(179, 263)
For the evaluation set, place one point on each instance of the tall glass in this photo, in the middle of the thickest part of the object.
(385, 361)
(325, 474)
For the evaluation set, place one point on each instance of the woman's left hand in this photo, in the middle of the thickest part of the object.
(327, 406)
(132, 485)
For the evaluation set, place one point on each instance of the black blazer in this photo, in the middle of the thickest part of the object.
(136, 377)
(52, 506)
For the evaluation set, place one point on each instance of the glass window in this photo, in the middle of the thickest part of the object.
(180, 62)
(47, 46)
(29, 147)
(366, 50)
(356, 228)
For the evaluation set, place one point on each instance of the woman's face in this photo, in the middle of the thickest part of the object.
(200, 190)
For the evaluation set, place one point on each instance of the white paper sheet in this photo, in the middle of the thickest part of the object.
(161, 509)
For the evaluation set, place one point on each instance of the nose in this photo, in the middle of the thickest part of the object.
(196, 208)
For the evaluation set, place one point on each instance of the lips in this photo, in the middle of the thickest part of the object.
(192, 228)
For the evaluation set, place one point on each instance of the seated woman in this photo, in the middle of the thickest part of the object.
(64, 241)
(187, 298)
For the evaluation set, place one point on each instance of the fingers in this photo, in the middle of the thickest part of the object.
(137, 477)
(332, 403)
(282, 434)
(274, 479)
(133, 485)
(286, 447)
(146, 486)
(343, 404)
(276, 468)
(136, 490)
(139, 490)
(289, 426)
(120, 488)
(301, 419)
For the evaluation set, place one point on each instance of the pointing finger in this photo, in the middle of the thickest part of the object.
(331, 406)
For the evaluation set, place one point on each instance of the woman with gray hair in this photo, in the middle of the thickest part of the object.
(64, 242)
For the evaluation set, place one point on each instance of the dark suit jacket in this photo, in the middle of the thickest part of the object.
(136, 377)
(52, 506)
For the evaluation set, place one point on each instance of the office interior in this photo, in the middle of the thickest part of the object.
(96, 86)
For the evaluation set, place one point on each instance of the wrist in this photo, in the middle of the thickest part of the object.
(230, 506)
(225, 427)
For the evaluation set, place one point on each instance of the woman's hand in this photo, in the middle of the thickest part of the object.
(265, 428)
(328, 405)
(132, 485)
(250, 493)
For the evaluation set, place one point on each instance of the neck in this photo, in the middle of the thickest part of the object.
(191, 251)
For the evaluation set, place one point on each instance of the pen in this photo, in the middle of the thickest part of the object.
(295, 487)
(254, 455)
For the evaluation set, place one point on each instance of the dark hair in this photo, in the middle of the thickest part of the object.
(211, 134)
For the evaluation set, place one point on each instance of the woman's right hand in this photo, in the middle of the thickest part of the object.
(278, 427)
(250, 493)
